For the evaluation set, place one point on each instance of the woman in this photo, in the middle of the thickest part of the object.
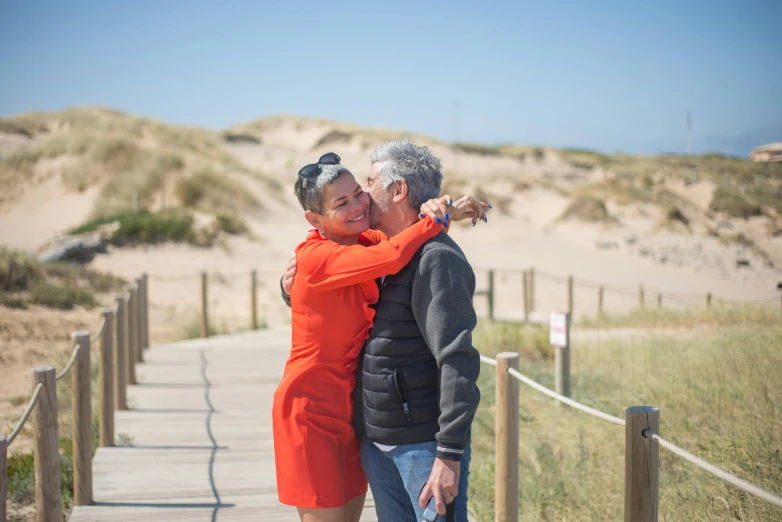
(317, 454)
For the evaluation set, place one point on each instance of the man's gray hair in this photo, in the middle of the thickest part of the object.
(310, 190)
(418, 166)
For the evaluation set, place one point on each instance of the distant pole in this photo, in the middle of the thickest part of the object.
(641, 297)
(779, 287)
(204, 312)
(490, 295)
(689, 133)
(562, 364)
(532, 289)
(254, 300)
(708, 299)
(525, 292)
(570, 295)
(659, 300)
(600, 292)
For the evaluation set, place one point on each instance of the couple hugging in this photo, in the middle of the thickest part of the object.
(380, 386)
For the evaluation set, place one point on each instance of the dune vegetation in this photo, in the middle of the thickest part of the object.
(718, 395)
(166, 166)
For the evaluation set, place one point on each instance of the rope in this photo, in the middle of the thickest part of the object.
(26, 414)
(68, 366)
(175, 278)
(488, 360)
(747, 486)
(95, 337)
(561, 398)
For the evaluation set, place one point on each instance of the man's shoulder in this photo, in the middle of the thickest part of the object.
(442, 250)
(442, 246)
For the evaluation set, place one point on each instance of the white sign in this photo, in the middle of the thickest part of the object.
(558, 330)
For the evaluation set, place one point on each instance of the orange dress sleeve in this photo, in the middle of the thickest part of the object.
(326, 265)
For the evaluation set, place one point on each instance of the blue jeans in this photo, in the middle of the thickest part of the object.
(396, 478)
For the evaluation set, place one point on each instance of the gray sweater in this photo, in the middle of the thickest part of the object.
(442, 295)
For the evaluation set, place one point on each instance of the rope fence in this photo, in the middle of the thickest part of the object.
(119, 341)
(641, 292)
(739, 482)
(26, 414)
(69, 365)
(641, 460)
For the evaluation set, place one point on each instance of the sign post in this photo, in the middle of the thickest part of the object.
(559, 338)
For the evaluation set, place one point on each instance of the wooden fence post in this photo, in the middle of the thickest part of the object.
(641, 297)
(106, 380)
(532, 289)
(120, 356)
(3, 477)
(254, 300)
(131, 332)
(138, 303)
(562, 362)
(642, 464)
(48, 504)
(600, 292)
(659, 300)
(204, 312)
(506, 474)
(525, 294)
(145, 309)
(570, 295)
(490, 295)
(708, 299)
(81, 400)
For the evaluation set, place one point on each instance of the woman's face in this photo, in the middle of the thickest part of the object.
(345, 208)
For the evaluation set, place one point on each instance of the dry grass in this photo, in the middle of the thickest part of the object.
(718, 397)
(125, 155)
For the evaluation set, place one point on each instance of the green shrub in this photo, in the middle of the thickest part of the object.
(734, 203)
(214, 192)
(63, 297)
(231, 224)
(145, 227)
(17, 270)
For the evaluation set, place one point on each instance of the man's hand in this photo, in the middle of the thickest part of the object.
(443, 484)
(287, 277)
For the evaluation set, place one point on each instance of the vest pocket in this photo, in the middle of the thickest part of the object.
(401, 391)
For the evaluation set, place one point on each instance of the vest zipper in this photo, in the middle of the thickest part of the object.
(401, 390)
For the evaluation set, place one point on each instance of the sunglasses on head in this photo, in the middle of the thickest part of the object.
(313, 170)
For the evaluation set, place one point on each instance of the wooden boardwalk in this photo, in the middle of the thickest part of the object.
(199, 434)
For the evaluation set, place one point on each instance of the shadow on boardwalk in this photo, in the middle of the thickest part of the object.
(201, 437)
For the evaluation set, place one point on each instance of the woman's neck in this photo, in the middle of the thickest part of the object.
(342, 240)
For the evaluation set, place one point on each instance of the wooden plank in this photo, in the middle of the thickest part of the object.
(201, 436)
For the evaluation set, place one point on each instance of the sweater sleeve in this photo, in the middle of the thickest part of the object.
(326, 265)
(442, 304)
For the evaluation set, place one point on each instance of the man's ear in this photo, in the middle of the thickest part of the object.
(400, 191)
(314, 219)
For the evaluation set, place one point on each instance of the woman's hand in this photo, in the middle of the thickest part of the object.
(439, 209)
(467, 206)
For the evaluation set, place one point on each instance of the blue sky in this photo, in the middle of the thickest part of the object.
(607, 75)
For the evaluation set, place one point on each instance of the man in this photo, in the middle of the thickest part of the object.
(416, 391)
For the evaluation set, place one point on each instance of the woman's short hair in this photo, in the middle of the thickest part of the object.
(310, 191)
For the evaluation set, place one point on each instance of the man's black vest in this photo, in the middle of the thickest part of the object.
(397, 395)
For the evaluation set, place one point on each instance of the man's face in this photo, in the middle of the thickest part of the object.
(379, 196)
